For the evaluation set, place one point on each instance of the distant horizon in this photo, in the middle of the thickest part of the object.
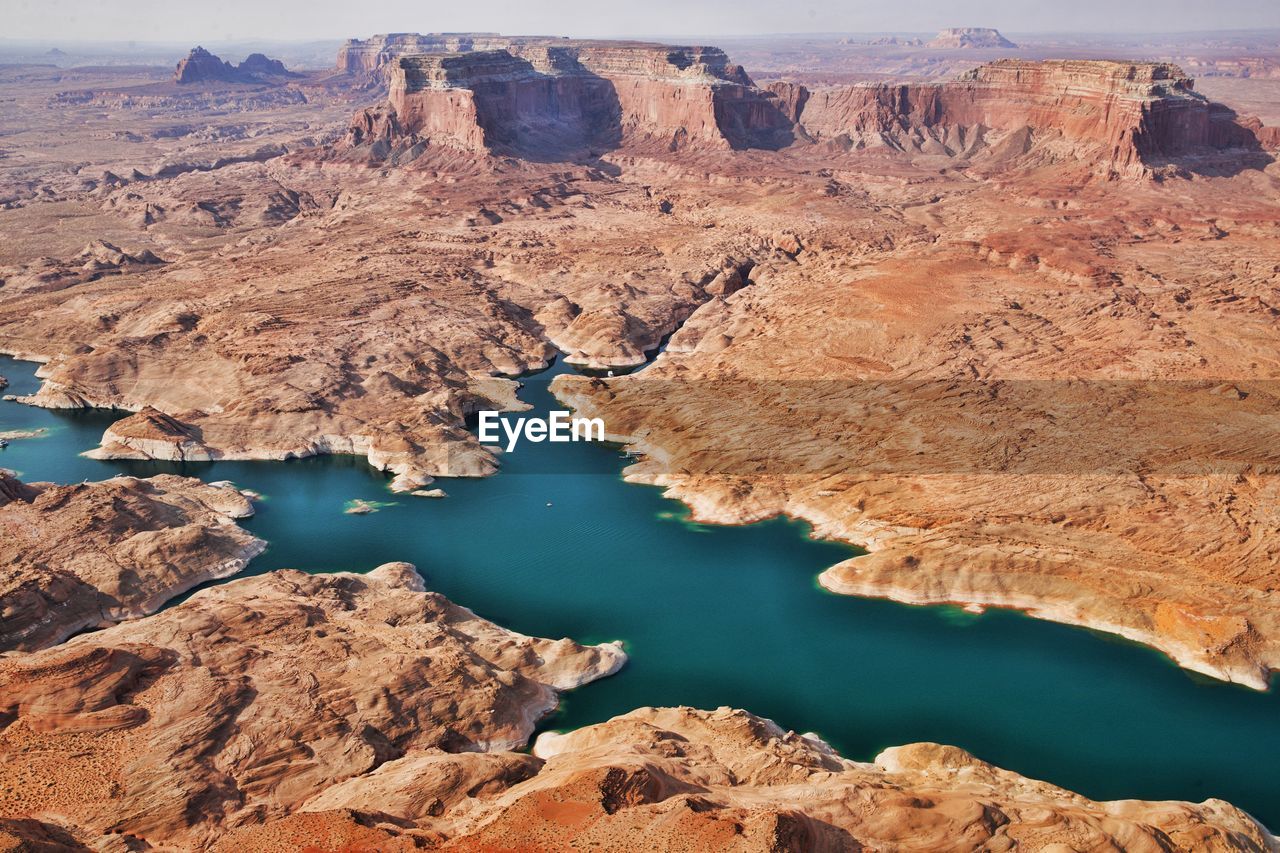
(47, 41)
(168, 22)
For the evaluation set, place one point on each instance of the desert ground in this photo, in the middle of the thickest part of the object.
(1004, 317)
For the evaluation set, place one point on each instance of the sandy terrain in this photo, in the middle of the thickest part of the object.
(1013, 333)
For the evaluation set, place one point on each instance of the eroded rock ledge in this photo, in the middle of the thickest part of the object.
(253, 697)
(93, 554)
(291, 711)
(684, 779)
(1156, 526)
(565, 99)
(1130, 119)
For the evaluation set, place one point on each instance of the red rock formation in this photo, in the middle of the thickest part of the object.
(254, 696)
(680, 779)
(261, 65)
(201, 66)
(1129, 116)
(93, 554)
(546, 98)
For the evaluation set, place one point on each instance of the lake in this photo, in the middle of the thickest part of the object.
(558, 545)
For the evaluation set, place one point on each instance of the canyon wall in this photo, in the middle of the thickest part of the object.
(363, 56)
(552, 98)
(557, 98)
(1127, 116)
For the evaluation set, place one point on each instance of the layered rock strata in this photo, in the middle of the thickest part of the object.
(364, 56)
(253, 697)
(1129, 117)
(327, 336)
(98, 259)
(562, 99)
(1114, 451)
(683, 779)
(90, 555)
(567, 99)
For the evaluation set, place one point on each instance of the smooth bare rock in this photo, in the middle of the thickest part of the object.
(684, 779)
(725, 779)
(151, 434)
(429, 493)
(91, 555)
(253, 697)
(1016, 421)
(427, 784)
(964, 235)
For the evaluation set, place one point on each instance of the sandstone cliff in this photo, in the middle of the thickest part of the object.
(250, 698)
(565, 99)
(1128, 118)
(363, 56)
(569, 99)
(94, 554)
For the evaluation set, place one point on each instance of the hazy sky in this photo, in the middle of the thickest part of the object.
(213, 20)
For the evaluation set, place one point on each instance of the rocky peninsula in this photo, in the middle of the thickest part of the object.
(90, 555)
(857, 285)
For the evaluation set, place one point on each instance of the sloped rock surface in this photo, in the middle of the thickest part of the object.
(93, 554)
(255, 696)
(678, 779)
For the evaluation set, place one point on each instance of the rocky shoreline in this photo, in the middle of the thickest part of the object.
(91, 555)
(313, 268)
(392, 714)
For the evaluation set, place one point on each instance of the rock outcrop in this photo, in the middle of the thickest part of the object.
(310, 307)
(260, 65)
(684, 779)
(970, 37)
(98, 259)
(1129, 118)
(201, 66)
(251, 698)
(565, 98)
(151, 434)
(374, 54)
(91, 555)
(836, 387)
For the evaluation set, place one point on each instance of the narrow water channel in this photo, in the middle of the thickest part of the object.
(558, 545)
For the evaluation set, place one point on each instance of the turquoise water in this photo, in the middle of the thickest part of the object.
(733, 616)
